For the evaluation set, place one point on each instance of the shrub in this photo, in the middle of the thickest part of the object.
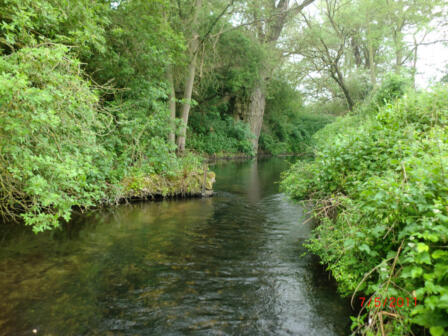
(393, 87)
(211, 134)
(49, 151)
(288, 126)
(379, 186)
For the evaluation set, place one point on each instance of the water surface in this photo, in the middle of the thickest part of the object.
(227, 265)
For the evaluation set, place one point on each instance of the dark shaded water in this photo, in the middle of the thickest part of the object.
(228, 265)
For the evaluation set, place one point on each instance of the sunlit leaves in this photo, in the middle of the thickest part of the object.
(386, 172)
(48, 139)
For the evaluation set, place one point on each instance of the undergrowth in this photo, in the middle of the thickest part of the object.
(379, 187)
(59, 148)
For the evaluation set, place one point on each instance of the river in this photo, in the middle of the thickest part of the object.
(232, 264)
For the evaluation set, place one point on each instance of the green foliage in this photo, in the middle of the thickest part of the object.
(230, 74)
(392, 87)
(138, 140)
(60, 149)
(288, 126)
(213, 135)
(75, 23)
(379, 185)
(359, 86)
(139, 45)
(50, 157)
(64, 143)
(241, 60)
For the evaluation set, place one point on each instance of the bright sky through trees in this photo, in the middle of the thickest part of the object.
(433, 59)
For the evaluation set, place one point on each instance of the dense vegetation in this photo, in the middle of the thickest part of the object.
(102, 100)
(377, 186)
(379, 189)
(91, 102)
(288, 124)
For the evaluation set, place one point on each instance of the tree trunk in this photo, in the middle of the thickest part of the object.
(172, 105)
(398, 52)
(398, 60)
(372, 65)
(347, 95)
(189, 81)
(339, 79)
(181, 139)
(414, 62)
(371, 58)
(356, 51)
(254, 112)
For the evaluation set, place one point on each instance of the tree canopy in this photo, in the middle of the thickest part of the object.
(102, 99)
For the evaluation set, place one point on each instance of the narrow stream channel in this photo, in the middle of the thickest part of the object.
(227, 265)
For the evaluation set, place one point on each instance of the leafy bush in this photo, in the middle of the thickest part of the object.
(392, 87)
(49, 151)
(270, 144)
(58, 149)
(288, 126)
(210, 134)
(291, 135)
(29, 23)
(140, 44)
(380, 191)
(138, 137)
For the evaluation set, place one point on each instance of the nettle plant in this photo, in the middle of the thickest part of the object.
(379, 183)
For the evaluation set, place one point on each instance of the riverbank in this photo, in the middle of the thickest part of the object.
(223, 265)
(242, 156)
(42, 213)
(378, 185)
(195, 183)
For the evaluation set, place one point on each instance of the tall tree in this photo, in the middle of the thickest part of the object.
(350, 40)
(324, 44)
(201, 20)
(268, 19)
(410, 18)
(193, 45)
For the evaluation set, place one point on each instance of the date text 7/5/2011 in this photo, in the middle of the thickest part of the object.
(393, 302)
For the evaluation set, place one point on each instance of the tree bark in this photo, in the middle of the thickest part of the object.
(356, 51)
(398, 60)
(414, 62)
(339, 79)
(254, 113)
(371, 57)
(172, 106)
(372, 66)
(181, 139)
(398, 51)
(347, 95)
(189, 81)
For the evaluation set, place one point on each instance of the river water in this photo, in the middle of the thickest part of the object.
(232, 264)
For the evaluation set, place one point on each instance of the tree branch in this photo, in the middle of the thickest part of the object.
(216, 21)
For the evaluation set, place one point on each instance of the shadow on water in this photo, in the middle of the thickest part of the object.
(227, 265)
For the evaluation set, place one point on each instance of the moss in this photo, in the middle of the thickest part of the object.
(190, 183)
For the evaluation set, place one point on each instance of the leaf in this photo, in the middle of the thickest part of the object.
(421, 247)
(437, 254)
(436, 331)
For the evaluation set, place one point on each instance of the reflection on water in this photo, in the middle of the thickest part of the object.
(254, 192)
(227, 265)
